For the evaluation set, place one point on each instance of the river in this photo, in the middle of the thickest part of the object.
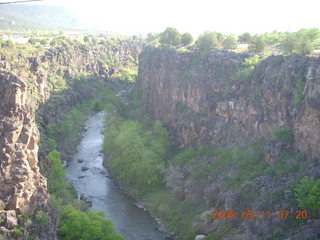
(96, 185)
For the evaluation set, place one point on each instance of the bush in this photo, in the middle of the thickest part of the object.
(170, 37)
(52, 144)
(230, 43)
(207, 41)
(186, 39)
(7, 44)
(282, 135)
(56, 179)
(300, 82)
(42, 218)
(247, 66)
(257, 45)
(86, 226)
(135, 150)
(307, 194)
(126, 74)
(245, 38)
(297, 44)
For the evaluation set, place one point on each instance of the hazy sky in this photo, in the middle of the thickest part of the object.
(196, 16)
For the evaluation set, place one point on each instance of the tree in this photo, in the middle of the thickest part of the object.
(220, 37)
(86, 226)
(307, 194)
(297, 43)
(312, 34)
(86, 39)
(257, 44)
(170, 37)
(7, 44)
(207, 41)
(245, 38)
(186, 39)
(230, 43)
(305, 47)
(289, 44)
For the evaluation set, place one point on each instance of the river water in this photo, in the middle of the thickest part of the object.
(96, 185)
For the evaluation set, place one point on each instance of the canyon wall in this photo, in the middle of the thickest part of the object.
(26, 83)
(215, 99)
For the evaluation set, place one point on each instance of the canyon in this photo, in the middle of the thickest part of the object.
(23, 190)
(203, 100)
(215, 99)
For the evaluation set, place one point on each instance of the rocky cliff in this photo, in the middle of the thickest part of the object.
(259, 120)
(23, 189)
(27, 82)
(215, 99)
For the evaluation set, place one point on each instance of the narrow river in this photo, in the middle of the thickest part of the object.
(92, 180)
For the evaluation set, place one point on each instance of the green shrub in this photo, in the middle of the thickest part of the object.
(307, 194)
(207, 41)
(86, 226)
(170, 37)
(282, 134)
(16, 232)
(230, 43)
(257, 44)
(135, 150)
(247, 67)
(126, 74)
(52, 144)
(56, 179)
(186, 39)
(300, 83)
(188, 156)
(42, 218)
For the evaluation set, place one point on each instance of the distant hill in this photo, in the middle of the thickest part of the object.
(30, 17)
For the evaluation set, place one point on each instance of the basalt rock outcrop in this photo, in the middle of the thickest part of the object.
(216, 99)
(23, 190)
(26, 83)
(211, 98)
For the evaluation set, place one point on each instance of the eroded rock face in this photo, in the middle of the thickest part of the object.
(204, 99)
(23, 190)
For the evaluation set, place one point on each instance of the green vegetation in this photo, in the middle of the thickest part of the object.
(170, 37)
(87, 226)
(246, 163)
(56, 179)
(230, 43)
(247, 67)
(42, 218)
(257, 44)
(207, 41)
(67, 131)
(303, 42)
(186, 39)
(135, 150)
(74, 220)
(307, 194)
(282, 135)
(126, 74)
(245, 38)
(298, 93)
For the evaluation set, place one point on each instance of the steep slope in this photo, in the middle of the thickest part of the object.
(208, 98)
(27, 82)
(260, 123)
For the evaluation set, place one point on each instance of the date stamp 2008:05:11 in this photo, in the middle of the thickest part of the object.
(250, 214)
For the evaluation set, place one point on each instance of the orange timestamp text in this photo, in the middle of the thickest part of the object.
(250, 214)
